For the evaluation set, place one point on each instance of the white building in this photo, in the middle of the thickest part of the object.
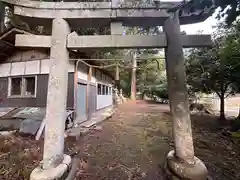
(24, 80)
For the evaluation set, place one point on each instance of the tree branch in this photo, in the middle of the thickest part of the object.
(219, 95)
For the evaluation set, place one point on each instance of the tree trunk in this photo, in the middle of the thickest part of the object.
(222, 107)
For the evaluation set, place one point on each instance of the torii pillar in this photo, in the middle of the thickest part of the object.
(181, 163)
(55, 164)
(133, 77)
(2, 17)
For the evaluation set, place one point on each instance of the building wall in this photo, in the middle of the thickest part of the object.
(41, 96)
(28, 68)
(36, 62)
(92, 99)
(30, 63)
(28, 55)
(104, 101)
(103, 79)
(98, 77)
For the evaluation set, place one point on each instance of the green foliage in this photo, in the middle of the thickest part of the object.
(229, 8)
(216, 69)
(152, 79)
(160, 89)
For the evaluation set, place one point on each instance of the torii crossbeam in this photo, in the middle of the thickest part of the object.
(181, 163)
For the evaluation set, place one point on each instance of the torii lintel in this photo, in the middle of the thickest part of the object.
(113, 41)
(102, 12)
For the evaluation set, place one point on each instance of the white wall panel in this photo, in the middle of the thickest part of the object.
(18, 68)
(44, 69)
(104, 101)
(32, 67)
(5, 69)
(45, 66)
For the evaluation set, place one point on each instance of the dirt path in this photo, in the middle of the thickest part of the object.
(133, 144)
(130, 145)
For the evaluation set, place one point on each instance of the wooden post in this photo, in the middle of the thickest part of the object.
(75, 89)
(181, 161)
(134, 81)
(88, 90)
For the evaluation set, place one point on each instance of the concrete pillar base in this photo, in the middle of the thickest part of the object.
(176, 169)
(59, 172)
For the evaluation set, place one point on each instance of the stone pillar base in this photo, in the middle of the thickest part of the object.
(59, 172)
(176, 169)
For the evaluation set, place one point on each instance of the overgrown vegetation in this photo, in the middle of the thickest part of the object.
(217, 69)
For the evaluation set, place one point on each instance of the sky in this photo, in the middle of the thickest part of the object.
(206, 27)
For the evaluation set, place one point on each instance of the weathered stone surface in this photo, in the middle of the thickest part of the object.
(113, 41)
(181, 163)
(136, 41)
(54, 173)
(30, 126)
(57, 96)
(131, 14)
(134, 77)
(59, 5)
(116, 28)
(177, 89)
(178, 170)
(33, 41)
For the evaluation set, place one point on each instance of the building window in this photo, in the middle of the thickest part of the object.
(103, 90)
(30, 86)
(107, 90)
(99, 89)
(22, 86)
(110, 90)
(16, 86)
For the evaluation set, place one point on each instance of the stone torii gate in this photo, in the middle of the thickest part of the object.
(181, 163)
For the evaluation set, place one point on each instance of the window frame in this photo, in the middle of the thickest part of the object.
(23, 87)
(110, 90)
(104, 89)
(99, 87)
(107, 90)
